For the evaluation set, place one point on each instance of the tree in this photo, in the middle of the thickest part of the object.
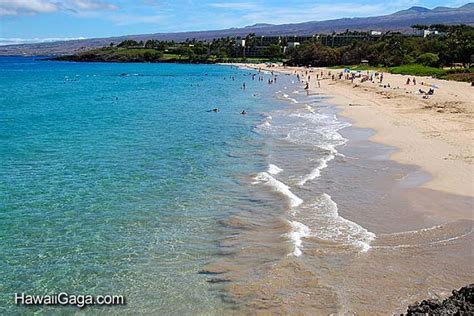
(152, 56)
(273, 51)
(439, 27)
(428, 59)
(420, 27)
(460, 42)
(185, 51)
(128, 43)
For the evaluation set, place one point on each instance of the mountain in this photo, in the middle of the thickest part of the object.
(398, 21)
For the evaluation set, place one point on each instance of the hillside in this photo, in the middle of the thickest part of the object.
(398, 21)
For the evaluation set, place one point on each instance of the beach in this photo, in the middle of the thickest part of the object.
(393, 206)
(436, 134)
(243, 193)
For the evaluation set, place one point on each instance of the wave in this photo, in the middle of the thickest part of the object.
(317, 130)
(316, 172)
(425, 244)
(265, 122)
(439, 234)
(328, 225)
(280, 187)
(286, 96)
(274, 169)
(298, 231)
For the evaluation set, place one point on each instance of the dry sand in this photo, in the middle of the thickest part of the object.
(435, 134)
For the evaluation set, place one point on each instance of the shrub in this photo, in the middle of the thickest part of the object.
(428, 59)
(407, 59)
(417, 70)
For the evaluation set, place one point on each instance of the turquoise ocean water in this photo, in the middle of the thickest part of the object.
(114, 178)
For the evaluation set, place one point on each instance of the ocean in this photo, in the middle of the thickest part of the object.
(121, 179)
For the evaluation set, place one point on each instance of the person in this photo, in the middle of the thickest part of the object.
(381, 77)
(414, 81)
(215, 110)
(319, 84)
(307, 86)
(408, 81)
(243, 86)
(243, 112)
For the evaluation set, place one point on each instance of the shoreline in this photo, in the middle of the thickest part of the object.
(369, 193)
(434, 134)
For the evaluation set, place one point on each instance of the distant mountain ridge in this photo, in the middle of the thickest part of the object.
(398, 21)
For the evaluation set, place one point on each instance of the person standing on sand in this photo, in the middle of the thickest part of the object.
(414, 81)
(408, 81)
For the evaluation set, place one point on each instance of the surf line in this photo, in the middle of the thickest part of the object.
(298, 230)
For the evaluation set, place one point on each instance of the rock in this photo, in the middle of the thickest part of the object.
(459, 303)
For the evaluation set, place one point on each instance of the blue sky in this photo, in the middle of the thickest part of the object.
(42, 20)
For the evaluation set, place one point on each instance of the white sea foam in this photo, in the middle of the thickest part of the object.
(274, 169)
(298, 231)
(316, 172)
(265, 122)
(327, 224)
(310, 109)
(266, 178)
(317, 129)
(286, 96)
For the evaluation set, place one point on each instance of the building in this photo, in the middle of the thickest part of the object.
(425, 33)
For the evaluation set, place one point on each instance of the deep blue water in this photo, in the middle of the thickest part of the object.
(114, 177)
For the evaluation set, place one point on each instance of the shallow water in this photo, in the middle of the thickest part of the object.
(116, 179)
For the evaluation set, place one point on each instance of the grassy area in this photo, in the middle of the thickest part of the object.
(170, 57)
(252, 60)
(418, 70)
(457, 74)
(359, 67)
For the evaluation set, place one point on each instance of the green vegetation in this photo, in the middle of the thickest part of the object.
(418, 70)
(454, 46)
(116, 54)
(428, 59)
(448, 46)
(426, 56)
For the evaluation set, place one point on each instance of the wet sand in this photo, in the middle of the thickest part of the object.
(422, 246)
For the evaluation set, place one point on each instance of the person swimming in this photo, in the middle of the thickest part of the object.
(243, 112)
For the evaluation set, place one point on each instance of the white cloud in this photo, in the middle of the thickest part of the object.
(13, 41)
(234, 5)
(92, 5)
(30, 7)
(21, 7)
(128, 19)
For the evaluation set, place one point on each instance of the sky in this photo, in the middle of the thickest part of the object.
(23, 21)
